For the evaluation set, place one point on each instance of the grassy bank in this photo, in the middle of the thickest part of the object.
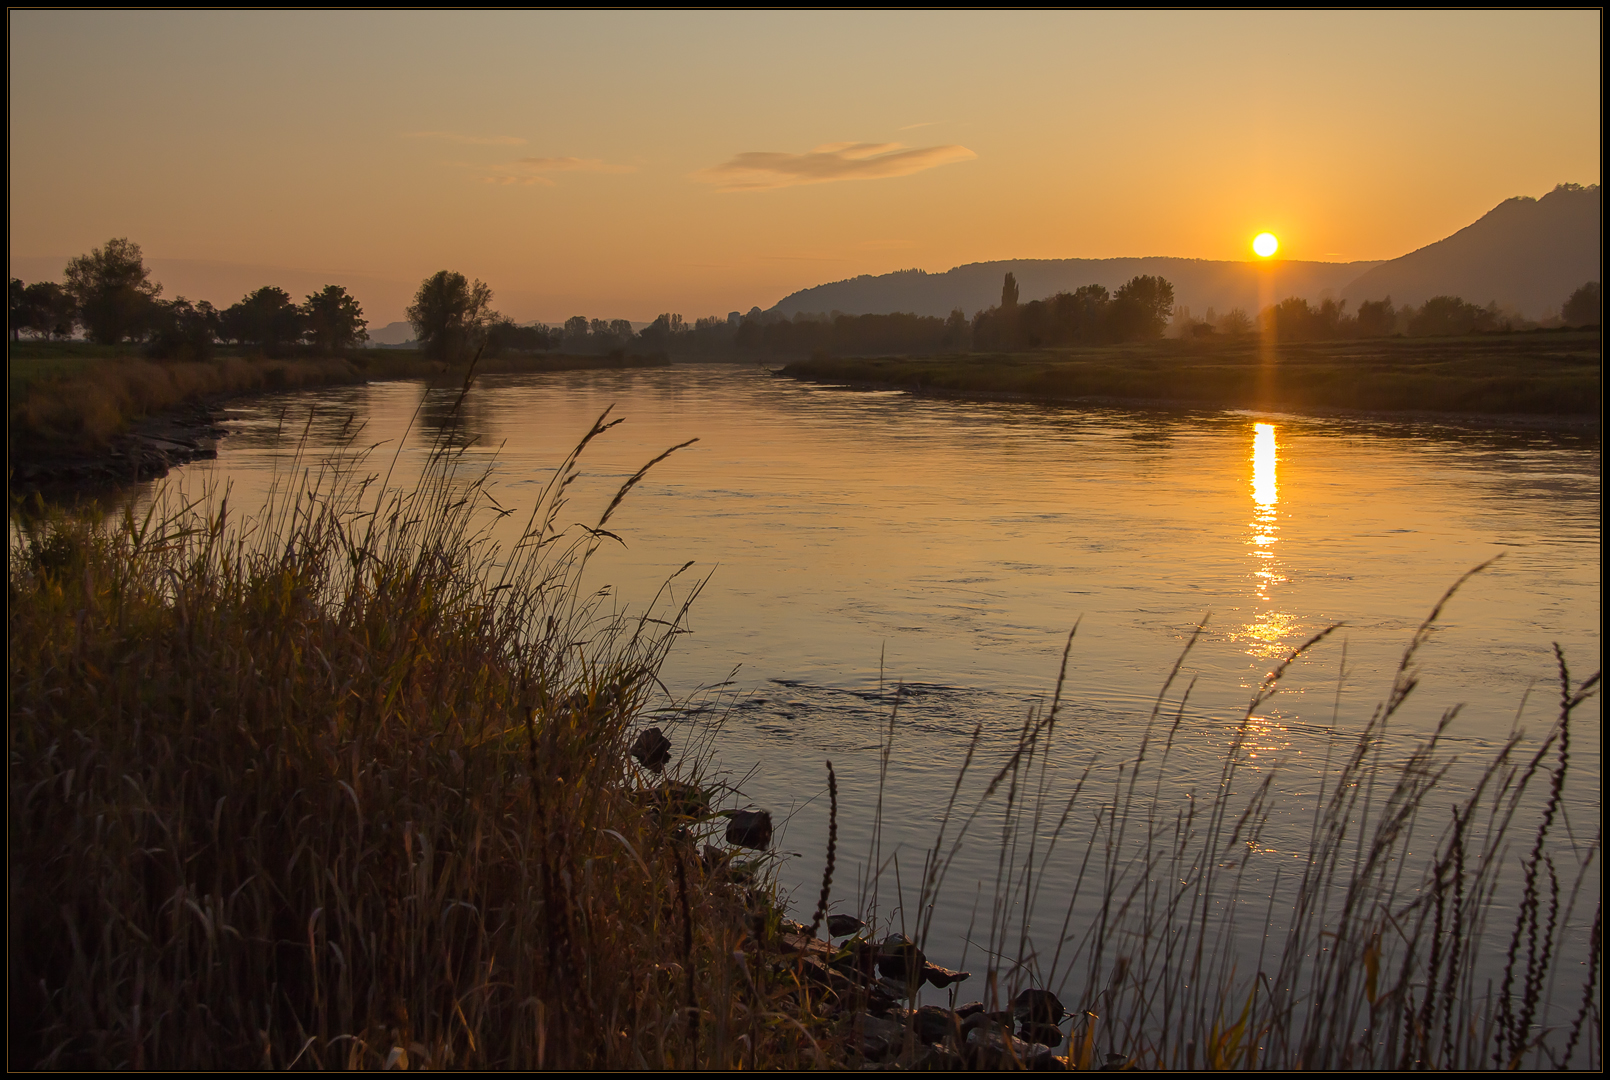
(345, 787)
(1558, 373)
(69, 395)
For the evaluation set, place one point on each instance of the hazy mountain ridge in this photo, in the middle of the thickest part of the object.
(1526, 253)
(1198, 283)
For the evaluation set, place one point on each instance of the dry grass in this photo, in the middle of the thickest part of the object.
(348, 786)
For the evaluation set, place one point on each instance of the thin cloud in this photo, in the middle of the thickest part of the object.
(763, 170)
(571, 164)
(533, 170)
(925, 123)
(472, 140)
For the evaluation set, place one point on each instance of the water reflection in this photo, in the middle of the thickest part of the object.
(1271, 627)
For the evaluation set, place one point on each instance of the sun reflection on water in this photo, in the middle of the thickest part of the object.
(1270, 628)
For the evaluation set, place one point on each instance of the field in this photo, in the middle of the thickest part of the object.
(1540, 373)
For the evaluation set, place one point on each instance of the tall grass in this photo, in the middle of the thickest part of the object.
(348, 785)
(1392, 942)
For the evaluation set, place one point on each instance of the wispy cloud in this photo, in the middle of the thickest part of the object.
(925, 123)
(472, 140)
(761, 170)
(533, 170)
(571, 164)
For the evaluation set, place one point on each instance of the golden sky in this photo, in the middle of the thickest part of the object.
(622, 164)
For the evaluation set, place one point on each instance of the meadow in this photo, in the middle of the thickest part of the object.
(351, 785)
(1540, 373)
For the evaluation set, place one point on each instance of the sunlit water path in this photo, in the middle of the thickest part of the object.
(864, 545)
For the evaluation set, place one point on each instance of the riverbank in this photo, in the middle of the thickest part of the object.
(1541, 377)
(81, 420)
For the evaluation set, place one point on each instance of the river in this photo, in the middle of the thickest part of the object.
(864, 547)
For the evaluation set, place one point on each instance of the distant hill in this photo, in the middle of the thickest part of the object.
(397, 333)
(1198, 283)
(1527, 253)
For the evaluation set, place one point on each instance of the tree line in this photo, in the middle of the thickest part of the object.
(1138, 311)
(1295, 319)
(110, 297)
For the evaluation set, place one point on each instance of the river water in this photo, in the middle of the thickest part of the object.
(878, 554)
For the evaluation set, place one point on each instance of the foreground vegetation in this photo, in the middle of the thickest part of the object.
(352, 785)
(1544, 372)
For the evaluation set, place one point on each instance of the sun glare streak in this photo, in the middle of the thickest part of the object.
(1265, 492)
(1266, 634)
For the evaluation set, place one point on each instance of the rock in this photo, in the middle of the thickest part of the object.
(932, 1023)
(675, 799)
(799, 943)
(900, 959)
(942, 977)
(653, 749)
(993, 1049)
(998, 1022)
(971, 1008)
(790, 926)
(1044, 1034)
(938, 1059)
(843, 925)
(750, 829)
(876, 1037)
(1038, 1006)
(1043, 1059)
(1115, 1063)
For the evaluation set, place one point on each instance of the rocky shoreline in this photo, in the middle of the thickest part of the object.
(146, 451)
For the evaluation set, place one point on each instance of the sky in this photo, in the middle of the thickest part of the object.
(623, 164)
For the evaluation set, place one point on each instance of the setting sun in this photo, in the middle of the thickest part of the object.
(1265, 244)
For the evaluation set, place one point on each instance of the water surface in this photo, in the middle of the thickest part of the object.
(864, 549)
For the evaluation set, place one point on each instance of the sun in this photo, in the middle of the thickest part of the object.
(1265, 244)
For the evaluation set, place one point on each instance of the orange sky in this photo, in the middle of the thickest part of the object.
(622, 164)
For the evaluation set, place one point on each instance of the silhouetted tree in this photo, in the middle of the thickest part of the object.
(16, 306)
(1082, 314)
(1585, 307)
(113, 291)
(1377, 318)
(659, 333)
(43, 309)
(1447, 315)
(1141, 308)
(266, 318)
(958, 331)
(1009, 292)
(181, 330)
(576, 332)
(332, 320)
(449, 315)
